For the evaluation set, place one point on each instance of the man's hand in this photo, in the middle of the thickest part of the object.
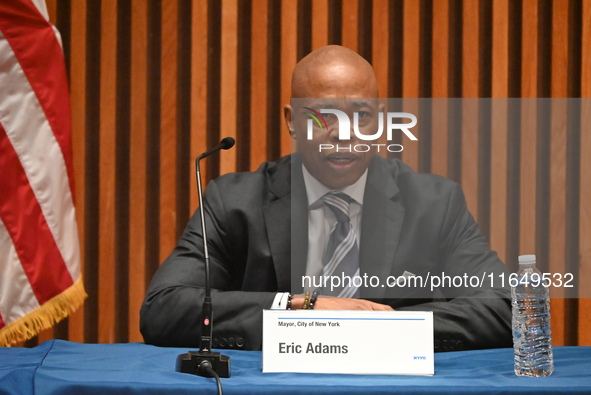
(332, 303)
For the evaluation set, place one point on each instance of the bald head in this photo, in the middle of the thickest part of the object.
(333, 71)
(335, 78)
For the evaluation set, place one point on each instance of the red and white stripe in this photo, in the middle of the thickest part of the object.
(39, 249)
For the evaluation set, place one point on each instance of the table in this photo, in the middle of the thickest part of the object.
(61, 367)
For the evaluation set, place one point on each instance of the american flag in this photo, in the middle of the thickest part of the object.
(40, 279)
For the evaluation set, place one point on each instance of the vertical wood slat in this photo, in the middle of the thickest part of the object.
(410, 71)
(470, 89)
(527, 187)
(274, 26)
(411, 43)
(319, 23)
(513, 137)
(51, 6)
(557, 238)
(184, 159)
(229, 81)
(168, 127)
(440, 86)
(350, 24)
(137, 186)
(500, 72)
(380, 55)
(288, 62)
(499, 138)
(78, 103)
(199, 108)
(259, 95)
(526, 125)
(106, 333)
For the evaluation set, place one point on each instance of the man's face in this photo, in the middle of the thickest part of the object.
(335, 163)
(347, 89)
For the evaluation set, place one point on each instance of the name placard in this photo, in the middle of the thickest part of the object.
(352, 342)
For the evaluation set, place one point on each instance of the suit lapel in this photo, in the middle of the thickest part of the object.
(381, 226)
(288, 202)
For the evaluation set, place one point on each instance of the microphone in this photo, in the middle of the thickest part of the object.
(225, 143)
(205, 362)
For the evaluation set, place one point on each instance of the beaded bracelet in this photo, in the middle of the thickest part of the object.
(288, 307)
(313, 299)
(306, 300)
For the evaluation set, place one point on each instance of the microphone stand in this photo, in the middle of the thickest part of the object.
(205, 362)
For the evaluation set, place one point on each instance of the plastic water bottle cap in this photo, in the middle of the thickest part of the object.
(527, 259)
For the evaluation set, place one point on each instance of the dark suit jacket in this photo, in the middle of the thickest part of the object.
(411, 222)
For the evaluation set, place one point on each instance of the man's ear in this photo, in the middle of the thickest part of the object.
(288, 120)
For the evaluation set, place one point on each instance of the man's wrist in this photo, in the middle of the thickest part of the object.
(297, 302)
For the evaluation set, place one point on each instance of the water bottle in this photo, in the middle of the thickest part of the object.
(532, 336)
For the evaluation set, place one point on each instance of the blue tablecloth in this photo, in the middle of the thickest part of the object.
(60, 367)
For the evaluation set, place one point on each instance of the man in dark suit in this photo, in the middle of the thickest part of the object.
(270, 228)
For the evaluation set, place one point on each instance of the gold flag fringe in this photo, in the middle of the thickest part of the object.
(44, 316)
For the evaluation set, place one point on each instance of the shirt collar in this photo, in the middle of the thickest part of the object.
(315, 189)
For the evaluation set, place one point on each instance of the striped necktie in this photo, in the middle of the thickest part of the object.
(341, 257)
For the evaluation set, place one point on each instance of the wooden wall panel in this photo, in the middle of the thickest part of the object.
(499, 139)
(350, 17)
(379, 53)
(199, 104)
(168, 126)
(320, 23)
(441, 64)
(288, 61)
(527, 175)
(154, 83)
(137, 170)
(259, 97)
(106, 181)
(77, 68)
(51, 6)
(470, 89)
(229, 81)
(557, 222)
(410, 59)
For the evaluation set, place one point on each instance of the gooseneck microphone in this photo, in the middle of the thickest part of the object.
(205, 362)
(225, 143)
(207, 318)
